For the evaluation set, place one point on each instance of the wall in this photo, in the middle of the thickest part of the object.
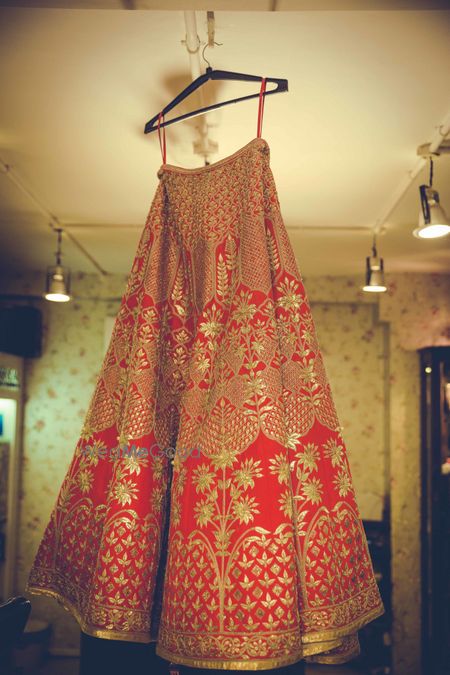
(368, 343)
(58, 386)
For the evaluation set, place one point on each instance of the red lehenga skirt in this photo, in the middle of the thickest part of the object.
(209, 505)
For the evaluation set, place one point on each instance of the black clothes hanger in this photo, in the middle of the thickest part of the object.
(210, 74)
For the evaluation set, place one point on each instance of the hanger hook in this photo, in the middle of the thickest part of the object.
(219, 44)
(204, 57)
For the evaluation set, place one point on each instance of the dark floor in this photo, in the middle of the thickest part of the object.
(69, 666)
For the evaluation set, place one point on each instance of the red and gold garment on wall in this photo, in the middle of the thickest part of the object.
(209, 505)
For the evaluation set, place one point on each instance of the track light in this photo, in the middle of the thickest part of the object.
(433, 221)
(58, 278)
(374, 272)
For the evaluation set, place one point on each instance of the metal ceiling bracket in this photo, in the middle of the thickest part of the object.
(443, 149)
(211, 28)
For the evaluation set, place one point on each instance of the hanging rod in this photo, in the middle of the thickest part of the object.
(205, 146)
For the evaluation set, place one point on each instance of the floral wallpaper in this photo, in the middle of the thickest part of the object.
(353, 347)
(369, 345)
(419, 306)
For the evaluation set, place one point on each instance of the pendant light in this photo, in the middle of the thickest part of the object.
(433, 221)
(374, 272)
(58, 278)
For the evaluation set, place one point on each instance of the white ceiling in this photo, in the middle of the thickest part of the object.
(365, 89)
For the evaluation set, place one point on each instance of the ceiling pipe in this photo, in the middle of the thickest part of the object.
(438, 138)
(205, 147)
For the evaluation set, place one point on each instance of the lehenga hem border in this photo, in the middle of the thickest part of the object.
(313, 643)
(238, 664)
(87, 628)
(334, 660)
(344, 630)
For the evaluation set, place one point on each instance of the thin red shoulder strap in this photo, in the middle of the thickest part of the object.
(162, 143)
(262, 98)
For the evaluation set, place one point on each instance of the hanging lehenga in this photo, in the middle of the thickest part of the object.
(209, 505)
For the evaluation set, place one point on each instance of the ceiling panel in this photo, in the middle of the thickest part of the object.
(236, 5)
